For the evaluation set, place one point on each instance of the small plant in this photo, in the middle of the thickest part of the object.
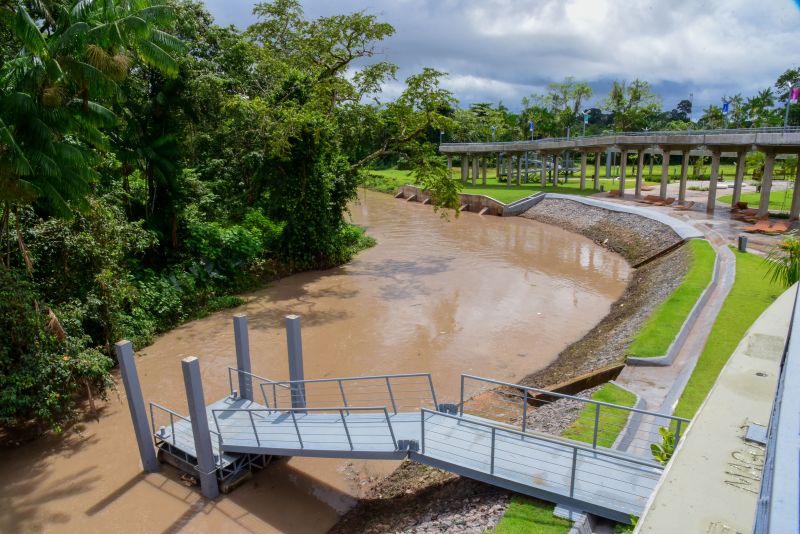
(662, 452)
(784, 262)
(621, 528)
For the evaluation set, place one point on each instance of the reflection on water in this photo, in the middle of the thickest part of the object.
(493, 296)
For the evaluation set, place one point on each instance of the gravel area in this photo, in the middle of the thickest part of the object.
(420, 499)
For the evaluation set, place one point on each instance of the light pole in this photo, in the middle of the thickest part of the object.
(585, 120)
(794, 93)
(441, 136)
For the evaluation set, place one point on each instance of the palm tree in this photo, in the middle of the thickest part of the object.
(51, 118)
(784, 261)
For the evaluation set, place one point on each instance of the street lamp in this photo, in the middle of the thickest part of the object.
(531, 127)
(441, 136)
(494, 128)
(585, 121)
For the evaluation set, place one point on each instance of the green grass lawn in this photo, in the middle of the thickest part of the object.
(611, 419)
(751, 294)
(665, 322)
(778, 200)
(528, 516)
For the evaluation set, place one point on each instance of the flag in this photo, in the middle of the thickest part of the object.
(794, 94)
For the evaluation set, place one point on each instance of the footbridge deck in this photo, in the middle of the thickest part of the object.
(490, 434)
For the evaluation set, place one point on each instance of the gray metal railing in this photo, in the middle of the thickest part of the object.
(171, 437)
(611, 424)
(409, 391)
(299, 423)
(232, 370)
(498, 435)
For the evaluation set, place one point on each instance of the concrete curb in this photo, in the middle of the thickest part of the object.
(688, 324)
(626, 435)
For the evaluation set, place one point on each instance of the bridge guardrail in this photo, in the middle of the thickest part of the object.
(171, 437)
(610, 425)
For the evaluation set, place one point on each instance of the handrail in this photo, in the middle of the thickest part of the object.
(248, 373)
(350, 378)
(172, 415)
(553, 441)
(565, 396)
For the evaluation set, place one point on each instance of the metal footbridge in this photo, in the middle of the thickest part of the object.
(497, 432)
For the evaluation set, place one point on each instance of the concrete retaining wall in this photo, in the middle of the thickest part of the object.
(477, 203)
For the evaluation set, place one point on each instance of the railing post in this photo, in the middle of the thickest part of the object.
(572, 475)
(346, 431)
(133, 391)
(294, 343)
(391, 395)
(421, 432)
(491, 462)
(524, 409)
(253, 424)
(344, 399)
(391, 430)
(206, 465)
(433, 393)
(461, 398)
(297, 429)
(596, 425)
(242, 342)
(678, 431)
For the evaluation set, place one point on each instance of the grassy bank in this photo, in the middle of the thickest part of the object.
(610, 418)
(664, 324)
(525, 515)
(778, 200)
(751, 294)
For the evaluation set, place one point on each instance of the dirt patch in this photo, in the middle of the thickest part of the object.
(417, 498)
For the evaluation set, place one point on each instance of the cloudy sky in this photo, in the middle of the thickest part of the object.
(502, 50)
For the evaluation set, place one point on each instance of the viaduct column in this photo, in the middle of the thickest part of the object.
(509, 169)
(596, 177)
(712, 184)
(639, 171)
(766, 185)
(583, 169)
(519, 169)
(684, 175)
(484, 170)
(794, 213)
(543, 168)
(474, 169)
(555, 169)
(623, 164)
(464, 160)
(609, 155)
(449, 164)
(737, 182)
(664, 172)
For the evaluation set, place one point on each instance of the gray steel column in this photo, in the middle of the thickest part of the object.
(509, 169)
(623, 170)
(133, 392)
(639, 172)
(583, 169)
(474, 169)
(712, 183)
(242, 342)
(206, 464)
(464, 160)
(519, 169)
(555, 170)
(596, 178)
(664, 172)
(737, 181)
(543, 168)
(608, 163)
(294, 342)
(684, 176)
(766, 185)
(794, 213)
(483, 174)
(526, 167)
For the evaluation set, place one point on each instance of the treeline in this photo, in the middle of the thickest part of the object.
(563, 109)
(152, 164)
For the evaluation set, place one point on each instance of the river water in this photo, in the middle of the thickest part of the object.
(499, 297)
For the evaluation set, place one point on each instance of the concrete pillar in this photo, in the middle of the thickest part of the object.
(526, 167)
(583, 169)
(766, 185)
(555, 170)
(519, 169)
(737, 181)
(133, 392)
(483, 177)
(474, 169)
(712, 183)
(650, 174)
(206, 465)
(684, 176)
(463, 168)
(449, 164)
(543, 168)
(294, 342)
(509, 169)
(596, 177)
(623, 169)
(639, 169)
(794, 213)
(664, 172)
(242, 342)
(608, 163)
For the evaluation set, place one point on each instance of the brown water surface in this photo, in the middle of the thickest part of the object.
(498, 297)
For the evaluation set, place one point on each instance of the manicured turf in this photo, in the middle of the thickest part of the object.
(663, 325)
(778, 200)
(751, 294)
(528, 516)
(612, 420)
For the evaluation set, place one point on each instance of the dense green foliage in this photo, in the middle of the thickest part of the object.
(152, 164)
(751, 294)
(663, 325)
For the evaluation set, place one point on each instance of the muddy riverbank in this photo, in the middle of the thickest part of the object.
(406, 501)
(482, 295)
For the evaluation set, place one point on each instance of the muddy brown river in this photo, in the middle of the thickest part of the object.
(499, 297)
